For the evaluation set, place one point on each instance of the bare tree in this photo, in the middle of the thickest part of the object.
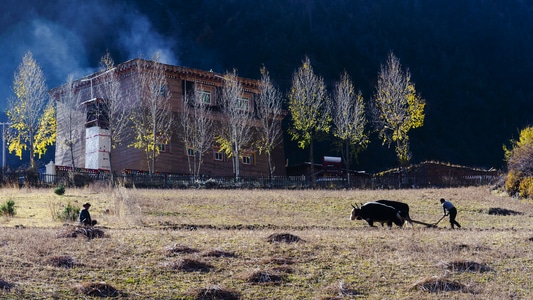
(118, 107)
(197, 128)
(309, 108)
(270, 113)
(71, 117)
(236, 131)
(349, 119)
(152, 119)
(31, 112)
(397, 108)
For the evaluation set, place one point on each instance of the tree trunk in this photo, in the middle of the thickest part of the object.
(312, 159)
(347, 162)
(237, 169)
(270, 168)
(72, 157)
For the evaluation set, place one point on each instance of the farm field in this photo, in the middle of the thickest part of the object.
(256, 244)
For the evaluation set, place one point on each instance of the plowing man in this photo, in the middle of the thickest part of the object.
(449, 209)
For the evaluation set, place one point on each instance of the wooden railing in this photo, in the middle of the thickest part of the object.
(175, 181)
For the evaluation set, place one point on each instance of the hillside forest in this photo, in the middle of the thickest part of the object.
(469, 61)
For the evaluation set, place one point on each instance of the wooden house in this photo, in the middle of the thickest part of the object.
(90, 148)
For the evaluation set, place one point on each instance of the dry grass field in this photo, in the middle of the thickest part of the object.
(255, 244)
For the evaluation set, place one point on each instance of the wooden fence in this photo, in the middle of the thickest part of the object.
(173, 181)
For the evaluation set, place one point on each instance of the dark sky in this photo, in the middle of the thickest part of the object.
(470, 60)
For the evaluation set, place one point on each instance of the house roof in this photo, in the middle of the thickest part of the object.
(184, 73)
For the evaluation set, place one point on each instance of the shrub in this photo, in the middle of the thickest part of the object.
(520, 165)
(8, 208)
(517, 184)
(525, 187)
(60, 190)
(69, 213)
(512, 183)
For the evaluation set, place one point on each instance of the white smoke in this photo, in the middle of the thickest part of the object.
(140, 40)
(69, 37)
(52, 47)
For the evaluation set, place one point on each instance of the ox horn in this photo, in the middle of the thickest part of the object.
(356, 206)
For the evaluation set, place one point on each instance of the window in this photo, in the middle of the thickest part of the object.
(204, 97)
(158, 90)
(243, 103)
(163, 144)
(247, 160)
(219, 156)
(163, 147)
(97, 113)
(192, 152)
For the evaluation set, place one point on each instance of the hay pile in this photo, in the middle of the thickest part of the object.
(503, 212)
(273, 276)
(60, 261)
(4, 285)
(283, 238)
(264, 277)
(213, 293)
(96, 289)
(464, 247)
(466, 266)
(190, 265)
(437, 285)
(75, 231)
(340, 291)
(218, 253)
(180, 249)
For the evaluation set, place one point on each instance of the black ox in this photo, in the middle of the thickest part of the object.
(377, 212)
(401, 207)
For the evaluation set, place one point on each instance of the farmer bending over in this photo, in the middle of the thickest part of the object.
(85, 216)
(449, 209)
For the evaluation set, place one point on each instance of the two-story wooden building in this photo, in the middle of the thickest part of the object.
(91, 149)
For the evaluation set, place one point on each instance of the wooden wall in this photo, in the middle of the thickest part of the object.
(174, 161)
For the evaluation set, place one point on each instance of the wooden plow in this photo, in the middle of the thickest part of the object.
(434, 225)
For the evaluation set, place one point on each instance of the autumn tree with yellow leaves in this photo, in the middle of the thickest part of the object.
(519, 157)
(309, 107)
(397, 108)
(31, 112)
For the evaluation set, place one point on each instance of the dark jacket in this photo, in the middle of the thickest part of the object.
(85, 217)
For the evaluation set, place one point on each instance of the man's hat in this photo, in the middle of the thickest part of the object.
(86, 205)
